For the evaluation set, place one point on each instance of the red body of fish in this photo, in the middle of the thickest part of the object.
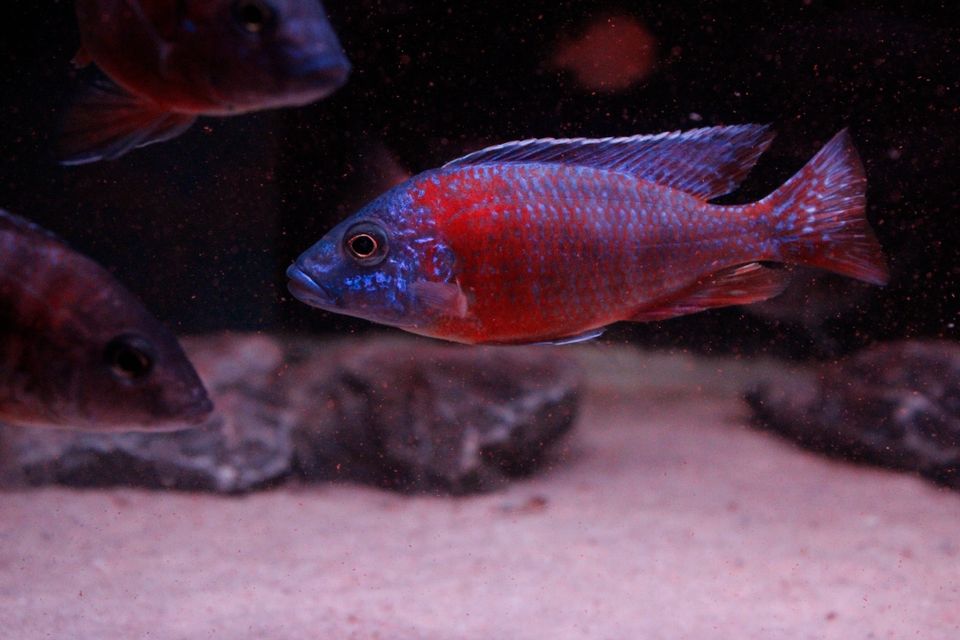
(544, 251)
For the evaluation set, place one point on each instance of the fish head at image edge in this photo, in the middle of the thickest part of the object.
(267, 53)
(386, 263)
(132, 374)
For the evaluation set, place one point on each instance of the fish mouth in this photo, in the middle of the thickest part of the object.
(329, 68)
(188, 416)
(197, 412)
(307, 290)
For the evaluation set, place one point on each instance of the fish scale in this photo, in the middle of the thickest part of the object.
(553, 240)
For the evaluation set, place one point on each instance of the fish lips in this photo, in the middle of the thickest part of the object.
(190, 413)
(329, 68)
(307, 290)
(198, 411)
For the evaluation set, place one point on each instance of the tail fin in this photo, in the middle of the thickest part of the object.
(105, 121)
(819, 215)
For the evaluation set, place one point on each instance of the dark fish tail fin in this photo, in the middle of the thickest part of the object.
(818, 215)
(105, 121)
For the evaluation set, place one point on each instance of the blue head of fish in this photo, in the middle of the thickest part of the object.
(266, 53)
(384, 264)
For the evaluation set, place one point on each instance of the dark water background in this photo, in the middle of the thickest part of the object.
(203, 227)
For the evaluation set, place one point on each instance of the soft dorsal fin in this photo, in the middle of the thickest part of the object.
(707, 162)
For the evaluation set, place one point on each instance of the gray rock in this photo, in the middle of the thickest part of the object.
(895, 405)
(420, 416)
(410, 415)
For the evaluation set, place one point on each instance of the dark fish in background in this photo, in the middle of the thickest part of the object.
(79, 350)
(553, 240)
(168, 61)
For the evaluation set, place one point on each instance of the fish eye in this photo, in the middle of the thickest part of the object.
(366, 243)
(363, 245)
(253, 16)
(129, 357)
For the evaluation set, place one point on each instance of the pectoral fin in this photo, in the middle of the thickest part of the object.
(446, 297)
(105, 122)
(741, 285)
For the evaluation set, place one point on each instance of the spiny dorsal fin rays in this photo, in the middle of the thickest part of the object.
(708, 162)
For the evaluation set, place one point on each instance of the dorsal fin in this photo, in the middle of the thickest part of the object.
(11, 222)
(707, 162)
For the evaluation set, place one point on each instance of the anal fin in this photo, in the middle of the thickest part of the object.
(105, 122)
(744, 284)
(580, 337)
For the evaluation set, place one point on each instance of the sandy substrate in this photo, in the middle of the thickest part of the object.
(667, 518)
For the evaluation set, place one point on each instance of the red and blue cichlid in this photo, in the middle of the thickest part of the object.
(168, 61)
(553, 240)
(78, 350)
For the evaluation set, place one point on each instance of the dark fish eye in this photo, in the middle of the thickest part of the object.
(366, 243)
(129, 357)
(253, 16)
(363, 245)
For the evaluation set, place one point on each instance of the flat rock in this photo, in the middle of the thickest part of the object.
(422, 416)
(409, 415)
(896, 405)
